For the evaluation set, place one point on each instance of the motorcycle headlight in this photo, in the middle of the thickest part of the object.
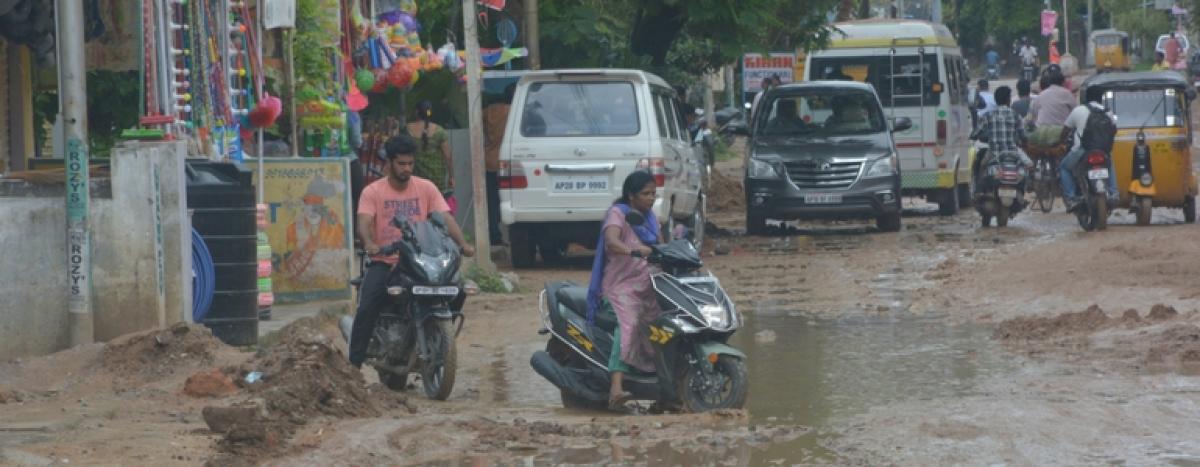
(1146, 179)
(715, 315)
(762, 170)
(884, 166)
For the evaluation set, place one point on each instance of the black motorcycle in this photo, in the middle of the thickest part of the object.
(1091, 178)
(1001, 189)
(416, 332)
(695, 369)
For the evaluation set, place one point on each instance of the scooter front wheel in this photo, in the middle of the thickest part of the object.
(726, 386)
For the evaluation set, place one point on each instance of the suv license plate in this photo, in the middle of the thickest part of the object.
(822, 198)
(1007, 193)
(1098, 174)
(580, 184)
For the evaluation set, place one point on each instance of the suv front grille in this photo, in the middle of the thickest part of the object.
(823, 174)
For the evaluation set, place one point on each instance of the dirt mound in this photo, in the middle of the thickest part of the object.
(1046, 328)
(725, 193)
(1160, 340)
(1176, 345)
(150, 356)
(303, 376)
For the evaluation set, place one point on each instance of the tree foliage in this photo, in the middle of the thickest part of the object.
(670, 37)
(1128, 16)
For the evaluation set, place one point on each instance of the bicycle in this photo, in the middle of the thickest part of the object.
(1045, 183)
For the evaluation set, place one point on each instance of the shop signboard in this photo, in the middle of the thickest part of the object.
(309, 227)
(756, 67)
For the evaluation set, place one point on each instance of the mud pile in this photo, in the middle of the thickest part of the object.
(725, 193)
(1066, 324)
(151, 356)
(303, 376)
(1163, 339)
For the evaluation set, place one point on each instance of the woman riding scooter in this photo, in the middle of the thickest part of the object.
(621, 279)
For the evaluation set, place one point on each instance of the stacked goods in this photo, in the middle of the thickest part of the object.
(265, 296)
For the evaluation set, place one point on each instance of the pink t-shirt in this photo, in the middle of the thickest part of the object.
(379, 199)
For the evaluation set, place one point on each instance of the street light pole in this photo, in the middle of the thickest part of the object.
(72, 102)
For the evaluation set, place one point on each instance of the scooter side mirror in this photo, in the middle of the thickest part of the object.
(634, 218)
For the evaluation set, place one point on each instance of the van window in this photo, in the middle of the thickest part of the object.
(820, 112)
(666, 109)
(681, 120)
(906, 78)
(952, 82)
(580, 109)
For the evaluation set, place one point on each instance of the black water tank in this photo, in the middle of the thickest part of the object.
(222, 200)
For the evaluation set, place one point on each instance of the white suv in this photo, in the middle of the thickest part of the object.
(572, 138)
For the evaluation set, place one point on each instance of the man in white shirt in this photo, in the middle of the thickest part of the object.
(1028, 54)
(1077, 122)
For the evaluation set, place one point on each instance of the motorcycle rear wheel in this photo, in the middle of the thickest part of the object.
(1002, 215)
(729, 373)
(438, 379)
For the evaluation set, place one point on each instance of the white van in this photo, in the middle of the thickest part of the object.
(572, 138)
(918, 71)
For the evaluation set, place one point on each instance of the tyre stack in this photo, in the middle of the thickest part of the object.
(221, 199)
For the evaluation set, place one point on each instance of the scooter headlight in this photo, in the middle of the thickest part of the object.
(716, 315)
(1146, 179)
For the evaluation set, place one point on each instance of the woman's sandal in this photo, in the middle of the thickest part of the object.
(618, 402)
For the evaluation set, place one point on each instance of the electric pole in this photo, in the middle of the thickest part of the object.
(72, 107)
(483, 243)
(531, 35)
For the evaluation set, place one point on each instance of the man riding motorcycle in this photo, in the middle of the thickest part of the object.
(1004, 133)
(1077, 124)
(399, 192)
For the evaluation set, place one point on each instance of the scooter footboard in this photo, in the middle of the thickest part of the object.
(572, 380)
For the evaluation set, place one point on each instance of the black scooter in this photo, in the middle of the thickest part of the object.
(695, 369)
(416, 332)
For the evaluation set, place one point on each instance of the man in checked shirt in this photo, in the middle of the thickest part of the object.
(1003, 132)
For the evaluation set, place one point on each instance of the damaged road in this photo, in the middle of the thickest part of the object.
(943, 343)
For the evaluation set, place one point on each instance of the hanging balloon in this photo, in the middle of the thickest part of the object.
(381, 81)
(401, 74)
(365, 79)
(410, 24)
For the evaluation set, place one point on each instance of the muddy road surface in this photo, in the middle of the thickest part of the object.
(943, 343)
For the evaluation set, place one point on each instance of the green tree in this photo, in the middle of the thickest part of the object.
(1142, 24)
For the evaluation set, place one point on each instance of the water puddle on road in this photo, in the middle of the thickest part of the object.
(818, 371)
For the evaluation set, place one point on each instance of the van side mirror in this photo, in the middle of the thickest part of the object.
(634, 218)
(901, 124)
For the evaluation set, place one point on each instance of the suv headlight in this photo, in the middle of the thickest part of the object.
(761, 169)
(885, 166)
(715, 315)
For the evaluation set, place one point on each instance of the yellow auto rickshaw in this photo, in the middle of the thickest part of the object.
(1152, 150)
(1111, 50)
